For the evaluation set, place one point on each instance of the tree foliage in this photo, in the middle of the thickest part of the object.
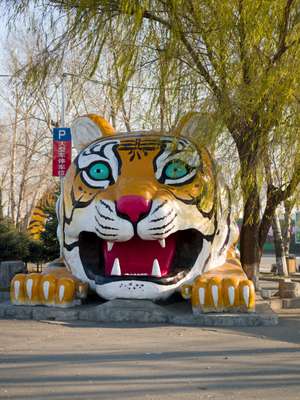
(241, 55)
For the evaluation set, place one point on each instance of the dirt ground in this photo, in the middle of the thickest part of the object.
(51, 360)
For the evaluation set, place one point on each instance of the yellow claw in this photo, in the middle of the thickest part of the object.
(17, 290)
(32, 288)
(247, 295)
(230, 293)
(214, 289)
(56, 287)
(48, 287)
(200, 295)
(65, 293)
(219, 294)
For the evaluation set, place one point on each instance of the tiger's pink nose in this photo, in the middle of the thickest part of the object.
(133, 206)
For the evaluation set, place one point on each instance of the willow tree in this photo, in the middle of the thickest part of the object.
(245, 53)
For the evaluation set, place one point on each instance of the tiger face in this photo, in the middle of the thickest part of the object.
(140, 214)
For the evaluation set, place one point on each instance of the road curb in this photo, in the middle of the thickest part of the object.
(141, 311)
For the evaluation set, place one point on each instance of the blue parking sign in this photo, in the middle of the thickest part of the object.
(62, 134)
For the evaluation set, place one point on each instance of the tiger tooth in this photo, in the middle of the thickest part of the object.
(162, 242)
(110, 245)
(116, 269)
(156, 269)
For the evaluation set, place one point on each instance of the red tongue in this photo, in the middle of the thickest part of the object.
(136, 256)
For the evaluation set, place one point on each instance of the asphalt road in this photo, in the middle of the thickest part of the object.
(47, 360)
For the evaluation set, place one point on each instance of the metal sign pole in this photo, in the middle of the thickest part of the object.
(62, 123)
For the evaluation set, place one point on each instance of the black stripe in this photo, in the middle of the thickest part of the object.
(71, 246)
(107, 206)
(104, 216)
(163, 226)
(35, 224)
(105, 234)
(160, 219)
(164, 232)
(76, 204)
(104, 226)
(40, 214)
(159, 206)
(233, 262)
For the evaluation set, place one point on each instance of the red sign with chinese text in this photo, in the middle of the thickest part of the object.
(62, 151)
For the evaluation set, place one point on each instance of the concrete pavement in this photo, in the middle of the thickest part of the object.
(81, 360)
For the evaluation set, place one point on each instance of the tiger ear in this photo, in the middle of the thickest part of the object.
(88, 128)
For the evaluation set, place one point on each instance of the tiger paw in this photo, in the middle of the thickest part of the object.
(50, 289)
(219, 294)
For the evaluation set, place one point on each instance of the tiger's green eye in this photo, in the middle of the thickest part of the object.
(176, 169)
(99, 171)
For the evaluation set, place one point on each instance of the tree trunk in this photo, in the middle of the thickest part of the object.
(279, 248)
(1, 205)
(249, 240)
(286, 229)
(12, 199)
(250, 252)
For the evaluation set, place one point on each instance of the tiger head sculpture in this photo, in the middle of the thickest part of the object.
(141, 213)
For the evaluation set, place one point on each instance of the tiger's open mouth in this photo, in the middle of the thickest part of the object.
(164, 262)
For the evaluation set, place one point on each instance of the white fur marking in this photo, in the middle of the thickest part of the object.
(202, 295)
(61, 292)
(29, 285)
(46, 286)
(17, 289)
(231, 295)
(215, 294)
(246, 293)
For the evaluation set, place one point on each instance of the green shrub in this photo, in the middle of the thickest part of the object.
(14, 245)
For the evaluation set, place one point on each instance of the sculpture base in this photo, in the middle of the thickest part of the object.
(141, 311)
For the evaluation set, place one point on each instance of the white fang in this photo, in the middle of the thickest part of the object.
(17, 289)
(156, 269)
(246, 293)
(29, 284)
(231, 295)
(46, 286)
(162, 242)
(215, 294)
(110, 245)
(116, 269)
